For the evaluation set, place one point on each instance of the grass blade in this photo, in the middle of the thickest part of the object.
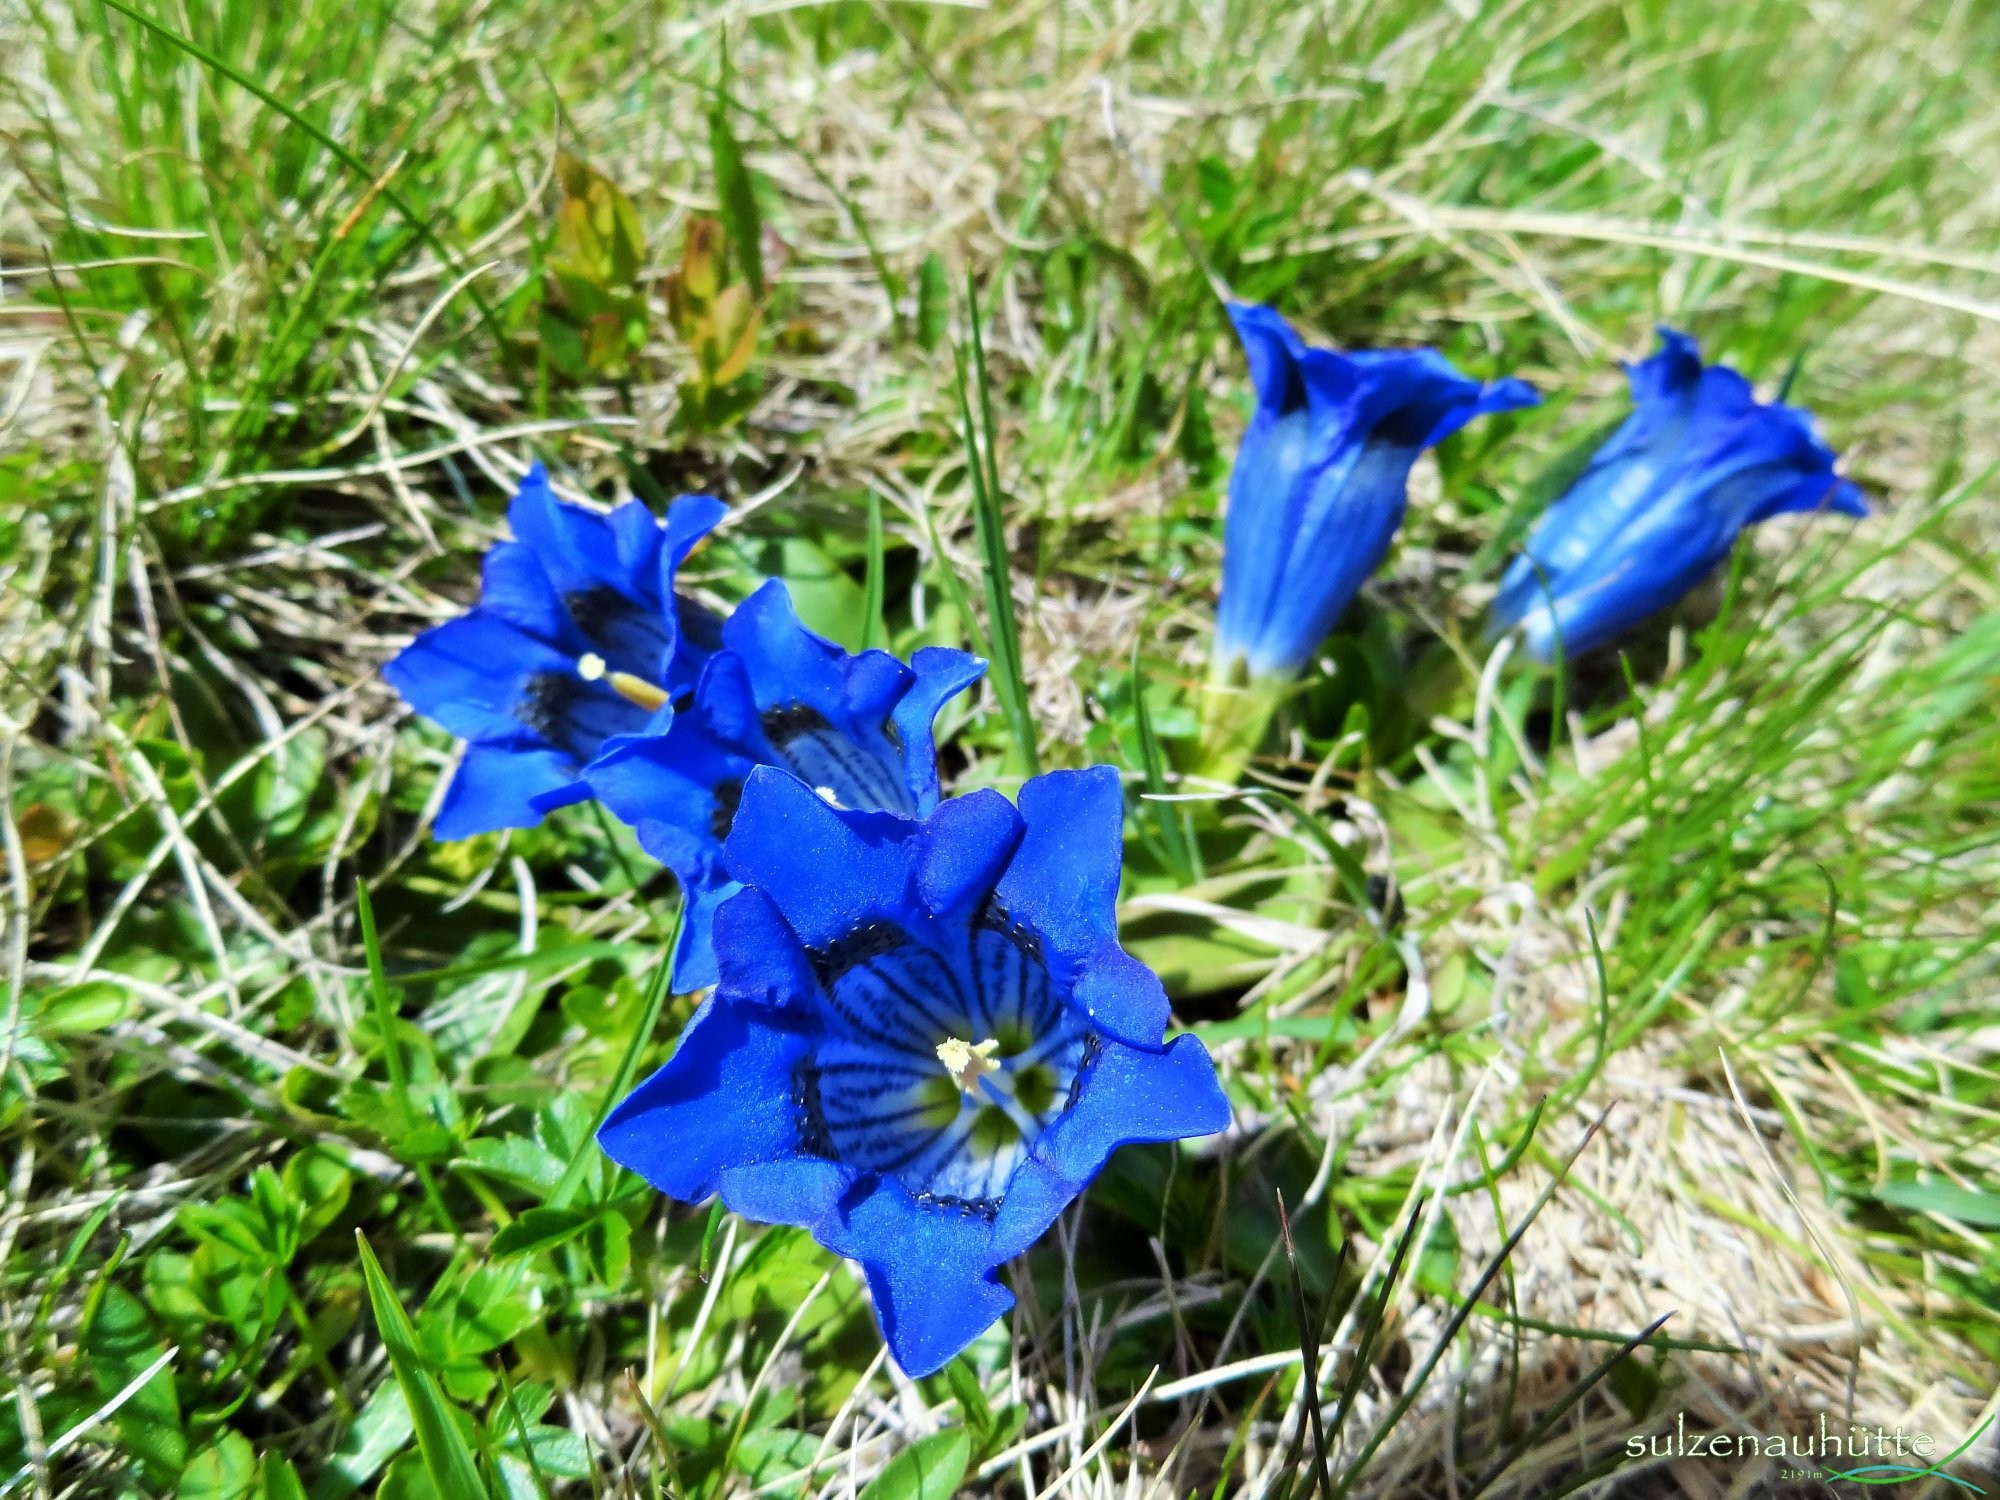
(419, 225)
(1561, 1409)
(1414, 1387)
(734, 191)
(1174, 834)
(1310, 1329)
(447, 1457)
(1371, 1331)
(982, 468)
(392, 1050)
(873, 632)
(628, 1065)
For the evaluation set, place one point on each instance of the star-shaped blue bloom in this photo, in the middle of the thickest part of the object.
(856, 728)
(924, 1044)
(1663, 501)
(1321, 481)
(578, 639)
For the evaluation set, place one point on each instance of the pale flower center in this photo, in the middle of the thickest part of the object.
(968, 1062)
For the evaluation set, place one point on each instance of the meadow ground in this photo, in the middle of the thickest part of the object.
(287, 308)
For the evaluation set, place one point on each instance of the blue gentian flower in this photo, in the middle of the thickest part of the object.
(1321, 481)
(855, 728)
(925, 1042)
(1662, 502)
(578, 639)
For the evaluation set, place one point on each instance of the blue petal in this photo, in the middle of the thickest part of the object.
(1272, 350)
(636, 542)
(679, 792)
(826, 873)
(1508, 393)
(767, 967)
(515, 588)
(941, 675)
(719, 1102)
(1273, 455)
(689, 519)
(929, 1271)
(698, 633)
(1063, 878)
(694, 955)
(578, 547)
(1122, 997)
(568, 794)
(801, 1190)
(963, 848)
(1416, 398)
(726, 705)
(1063, 883)
(469, 674)
(821, 713)
(1662, 502)
(1320, 481)
(1132, 1095)
(1670, 372)
(497, 785)
(786, 662)
(1655, 559)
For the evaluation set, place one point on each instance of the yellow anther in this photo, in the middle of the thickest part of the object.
(592, 668)
(968, 1062)
(638, 690)
(827, 796)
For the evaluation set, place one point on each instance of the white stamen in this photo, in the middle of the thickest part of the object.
(833, 801)
(590, 666)
(968, 1062)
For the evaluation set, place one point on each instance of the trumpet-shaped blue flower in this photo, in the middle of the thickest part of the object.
(925, 1042)
(1321, 481)
(1663, 501)
(858, 729)
(578, 638)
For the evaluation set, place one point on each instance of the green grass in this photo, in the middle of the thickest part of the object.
(275, 341)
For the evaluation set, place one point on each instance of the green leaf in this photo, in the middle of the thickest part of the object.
(121, 1344)
(223, 1472)
(541, 1229)
(320, 1183)
(447, 1458)
(518, 1160)
(972, 1404)
(278, 1480)
(707, 1263)
(609, 1241)
(733, 189)
(382, 1428)
(495, 1302)
(929, 1469)
(933, 302)
(83, 1008)
(1980, 1210)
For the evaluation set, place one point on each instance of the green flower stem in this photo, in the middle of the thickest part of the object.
(1236, 712)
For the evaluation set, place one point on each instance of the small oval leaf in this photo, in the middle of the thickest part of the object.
(929, 1469)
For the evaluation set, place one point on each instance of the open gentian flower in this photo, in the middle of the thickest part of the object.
(1663, 501)
(925, 1042)
(578, 638)
(1321, 481)
(857, 729)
